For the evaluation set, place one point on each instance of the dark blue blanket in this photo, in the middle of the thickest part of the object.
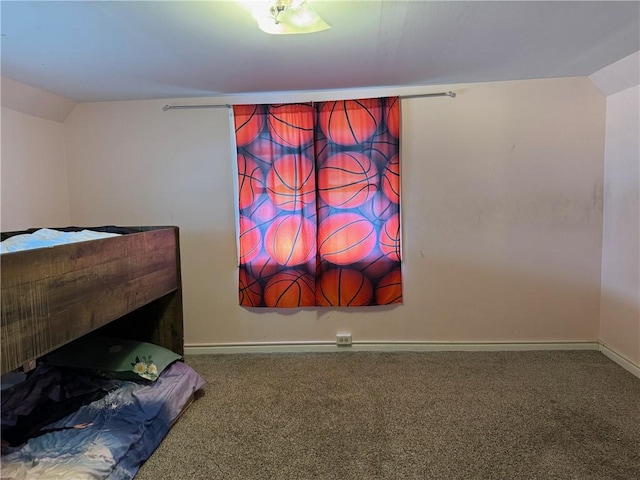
(110, 437)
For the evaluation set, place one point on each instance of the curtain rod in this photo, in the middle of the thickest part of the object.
(419, 95)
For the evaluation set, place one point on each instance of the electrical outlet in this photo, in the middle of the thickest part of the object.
(343, 339)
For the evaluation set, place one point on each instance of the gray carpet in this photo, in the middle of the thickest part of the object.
(454, 415)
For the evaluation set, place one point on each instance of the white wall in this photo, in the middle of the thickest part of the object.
(504, 187)
(620, 309)
(502, 192)
(620, 283)
(34, 190)
(33, 171)
(130, 163)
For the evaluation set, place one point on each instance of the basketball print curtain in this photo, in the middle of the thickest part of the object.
(319, 203)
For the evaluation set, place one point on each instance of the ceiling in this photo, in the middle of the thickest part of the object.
(124, 50)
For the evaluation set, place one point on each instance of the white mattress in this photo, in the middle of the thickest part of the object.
(47, 237)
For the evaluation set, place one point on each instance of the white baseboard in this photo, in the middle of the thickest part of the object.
(620, 360)
(326, 347)
(303, 347)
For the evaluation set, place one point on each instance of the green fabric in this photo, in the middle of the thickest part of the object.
(114, 357)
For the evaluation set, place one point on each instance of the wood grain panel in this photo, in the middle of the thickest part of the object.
(51, 296)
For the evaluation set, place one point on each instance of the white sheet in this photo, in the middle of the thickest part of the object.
(47, 237)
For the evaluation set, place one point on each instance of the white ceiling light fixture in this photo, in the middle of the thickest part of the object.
(282, 17)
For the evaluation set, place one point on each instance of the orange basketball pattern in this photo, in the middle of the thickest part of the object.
(263, 150)
(250, 291)
(382, 147)
(291, 240)
(389, 289)
(391, 180)
(250, 181)
(390, 238)
(345, 238)
(249, 121)
(291, 125)
(379, 208)
(250, 240)
(323, 148)
(376, 266)
(350, 122)
(290, 289)
(344, 287)
(291, 182)
(319, 193)
(392, 116)
(262, 211)
(263, 266)
(347, 179)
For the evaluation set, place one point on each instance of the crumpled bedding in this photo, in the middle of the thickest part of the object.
(110, 437)
(47, 395)
(47, 237)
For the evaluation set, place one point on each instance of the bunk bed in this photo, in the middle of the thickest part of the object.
(129, 284)
(119, 291)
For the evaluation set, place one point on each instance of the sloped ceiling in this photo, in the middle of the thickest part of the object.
(124, 50)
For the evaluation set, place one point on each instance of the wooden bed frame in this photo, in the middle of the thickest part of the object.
(127, 286)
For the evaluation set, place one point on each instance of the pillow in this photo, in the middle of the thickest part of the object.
(114, 357)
